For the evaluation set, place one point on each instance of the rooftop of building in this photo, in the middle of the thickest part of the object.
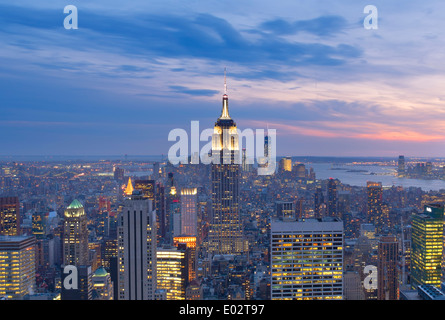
(75, 205)
(430, 292)
(100, 272)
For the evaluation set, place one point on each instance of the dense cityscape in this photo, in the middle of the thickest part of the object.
(128, 175)
(137, 229)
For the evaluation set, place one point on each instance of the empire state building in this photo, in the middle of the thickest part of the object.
(225, 233)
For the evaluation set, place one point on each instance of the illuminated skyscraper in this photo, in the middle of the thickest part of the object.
(189, 215)
(147, 187)
(9, 216)
(307, 259)
(286, 164)
(387, 269)
(172, 274)
(75, 235)
(137, 249)
(225, 234)
(17, 266)
(427, 246)
(191, 247)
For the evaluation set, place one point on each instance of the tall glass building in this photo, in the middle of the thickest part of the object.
(427, 246)
(172, 271)
(17, 267)
(307, 259)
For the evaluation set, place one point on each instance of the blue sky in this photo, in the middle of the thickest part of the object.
(135, 70)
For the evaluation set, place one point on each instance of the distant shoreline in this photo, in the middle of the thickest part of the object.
(163, 157)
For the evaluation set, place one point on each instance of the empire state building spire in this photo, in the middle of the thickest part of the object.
(225, 109)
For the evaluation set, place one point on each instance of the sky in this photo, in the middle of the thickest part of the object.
(135, 70)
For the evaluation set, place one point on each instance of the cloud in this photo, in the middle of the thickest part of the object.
(322, 26)
(163, 36)
(194, 92)
(137, 65)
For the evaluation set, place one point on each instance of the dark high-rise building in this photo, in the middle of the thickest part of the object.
(247, 167)
(387, 274)
(375, 212)
(137, 249)
(173, 208)
(429, 168)
(332, 201)
(161, 210)
(319, 205)
(285, 210)
(225, 234)
(264, 161)
(147, 187)
(300, 208)
(9, 216)
(119, 174)
(401, 170)
(83, 289)
(109, 250)
(156, 171)
(299, 170)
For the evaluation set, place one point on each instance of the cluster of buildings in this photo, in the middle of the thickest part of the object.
(419, 169)
(73, 231)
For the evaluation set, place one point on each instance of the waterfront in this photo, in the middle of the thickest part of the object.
(358, 175)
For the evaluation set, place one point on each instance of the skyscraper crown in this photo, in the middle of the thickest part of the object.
(225, 109)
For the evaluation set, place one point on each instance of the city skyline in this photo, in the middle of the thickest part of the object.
(312, 72)
(126, 175)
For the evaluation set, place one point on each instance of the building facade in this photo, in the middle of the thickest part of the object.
(137, 249)
(427, 246)
(189, 211)
(17, 267)
(225, 234)
(75, 235)
(387, 269)
(9, 216)
(307, 259)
